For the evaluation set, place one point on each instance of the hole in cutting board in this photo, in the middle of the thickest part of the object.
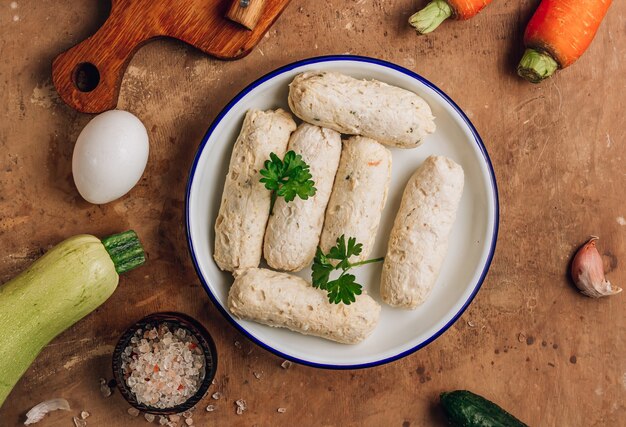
(86, 77)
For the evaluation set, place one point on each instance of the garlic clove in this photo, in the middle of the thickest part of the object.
(588, 272)
(38, 412)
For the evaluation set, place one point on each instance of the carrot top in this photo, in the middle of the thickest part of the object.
(565, 28)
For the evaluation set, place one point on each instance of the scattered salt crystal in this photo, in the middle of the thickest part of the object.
(79, 422)
(187, 414)
(175, 418)
(257, 375)
(84, 415)
(163, 420)
(133, 411)
(210, 408)
(189, 421)
(237, 344)
(149, 417)
(281, 410)
(216, 395)
(105, 390)
(213, 381)
(241, 406)
(286, 364)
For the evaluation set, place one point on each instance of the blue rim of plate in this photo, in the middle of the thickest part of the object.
(355, 58)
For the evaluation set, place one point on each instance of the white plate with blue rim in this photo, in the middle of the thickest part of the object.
(472, 241)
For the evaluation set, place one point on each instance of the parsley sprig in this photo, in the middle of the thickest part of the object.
(344, 288)
(287, 178)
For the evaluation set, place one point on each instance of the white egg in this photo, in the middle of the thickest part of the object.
(110, 156)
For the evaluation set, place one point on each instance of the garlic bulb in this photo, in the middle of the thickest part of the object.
(588, 272)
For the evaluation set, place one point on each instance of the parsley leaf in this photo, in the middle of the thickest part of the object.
(321, 269)
(287, 178)
(343, 288)
(343, 252)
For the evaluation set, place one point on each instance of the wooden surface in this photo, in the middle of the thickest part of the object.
(132, 23)
(529, 341)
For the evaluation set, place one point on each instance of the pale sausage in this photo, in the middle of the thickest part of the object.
(388, 114)
(359, 194)
(243, 214)
(293, 231)
(287, 301)
(419, 238)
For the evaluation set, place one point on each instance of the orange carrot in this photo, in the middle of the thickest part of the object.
(558, 34)
(437, 11)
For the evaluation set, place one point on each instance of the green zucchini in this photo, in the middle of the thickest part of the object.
(466, 409)
(60, 288)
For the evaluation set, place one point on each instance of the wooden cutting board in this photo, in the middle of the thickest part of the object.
(88, 76)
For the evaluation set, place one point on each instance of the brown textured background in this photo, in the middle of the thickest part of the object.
(529, 341)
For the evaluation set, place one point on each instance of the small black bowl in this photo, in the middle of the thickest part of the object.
(177, 320)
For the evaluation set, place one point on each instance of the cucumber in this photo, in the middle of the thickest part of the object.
(60, 288)
(466, 409)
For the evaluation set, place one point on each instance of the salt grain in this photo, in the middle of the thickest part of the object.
(84, 415)
(105, 390)
(163, 368)
(257, 375)
(149, 417)
(189, 421)
(210, 408)
(281, 410)
(163, 420)
(286, 364)
(241, 406)
(174, 418)
(79, 422)
(216, 395)
(133, 411)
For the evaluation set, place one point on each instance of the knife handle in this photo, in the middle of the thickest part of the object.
(248, 15)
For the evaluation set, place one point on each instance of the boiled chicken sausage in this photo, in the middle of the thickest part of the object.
(359, 194)
(419, 238)
(287, 301)
(243, 214)
(388, 114)
(293, 231)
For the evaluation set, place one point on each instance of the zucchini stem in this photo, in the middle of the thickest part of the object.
(429, 18)
(536, 66)
(125, 250)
